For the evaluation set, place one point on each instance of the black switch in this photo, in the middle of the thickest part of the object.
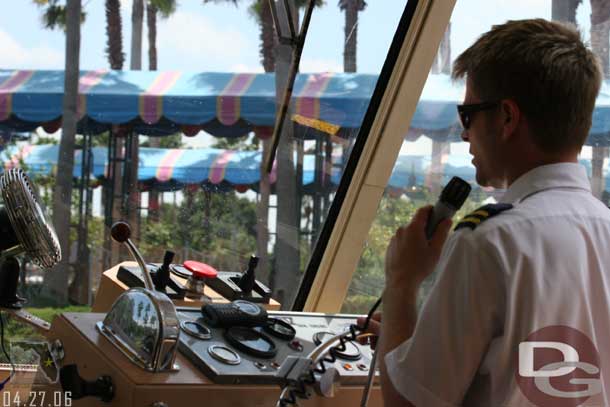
(247, 280)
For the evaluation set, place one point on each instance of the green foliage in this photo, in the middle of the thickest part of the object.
(172, 141)
(244, 143)
(44, 140)
(368, 280)
(217, 228)
(17, 330)
(54, 14)
(164, 7)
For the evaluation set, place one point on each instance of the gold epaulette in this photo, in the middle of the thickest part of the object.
(474, 219)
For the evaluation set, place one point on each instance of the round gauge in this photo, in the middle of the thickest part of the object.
(224, 355)
(279, 329)
(247, 307)
(351, 352)
(252, 342)
(196, 329)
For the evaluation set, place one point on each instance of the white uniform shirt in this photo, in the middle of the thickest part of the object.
(543, 264)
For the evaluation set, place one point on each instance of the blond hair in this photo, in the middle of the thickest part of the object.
(546, 69)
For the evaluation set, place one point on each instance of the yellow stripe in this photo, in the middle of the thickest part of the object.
(480, 212)
(317, 124)
(471, 220)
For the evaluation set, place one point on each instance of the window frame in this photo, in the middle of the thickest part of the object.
(342, 239)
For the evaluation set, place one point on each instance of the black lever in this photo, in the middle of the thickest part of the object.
(70, 381)
(161, 276)
(121, 233)
(247, 280)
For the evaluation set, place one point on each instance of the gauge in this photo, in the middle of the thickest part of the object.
(247, 307)
(196, 329)
(279, 329)
(252, 342)
(224, 355)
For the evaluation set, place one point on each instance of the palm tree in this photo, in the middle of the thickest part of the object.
(351, 8)
(116, 59)
(565, 10)
(114, 32)
(68, 18)
(165, 8)
(137, 19)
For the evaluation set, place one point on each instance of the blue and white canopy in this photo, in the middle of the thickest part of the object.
(226, 104)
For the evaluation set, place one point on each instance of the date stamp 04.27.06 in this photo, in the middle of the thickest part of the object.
(36, 399)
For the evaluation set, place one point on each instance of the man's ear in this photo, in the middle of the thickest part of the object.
(511, 116)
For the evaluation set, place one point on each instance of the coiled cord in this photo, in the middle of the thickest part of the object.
(320, 356)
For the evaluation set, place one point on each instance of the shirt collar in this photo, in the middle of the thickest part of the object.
(561, 175)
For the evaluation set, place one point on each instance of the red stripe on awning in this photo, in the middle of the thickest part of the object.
(167, 163)
(151, 101)
(308, 100)
(219, 167)
(228, 105)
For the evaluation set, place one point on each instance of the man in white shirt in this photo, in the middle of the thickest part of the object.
(520, 313)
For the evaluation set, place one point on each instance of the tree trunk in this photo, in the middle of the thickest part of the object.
(267, 37)
(133, 200)
(287, 257)
(116, 59)
(137, 17)
(114, 49)
(600, 30)
(62, 196)
(351, 36)
(151, 19)
(565, 10)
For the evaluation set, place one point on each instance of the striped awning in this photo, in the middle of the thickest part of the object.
(158, 103)
(168, 169)
(228, 104)
(221, 170)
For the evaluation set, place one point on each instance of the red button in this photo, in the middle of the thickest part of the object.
(200, 269)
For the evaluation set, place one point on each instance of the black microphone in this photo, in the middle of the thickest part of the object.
(451, 200)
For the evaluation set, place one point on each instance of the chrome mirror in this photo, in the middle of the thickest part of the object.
(144, 326)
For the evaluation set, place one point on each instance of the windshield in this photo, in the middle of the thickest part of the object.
(175, 115)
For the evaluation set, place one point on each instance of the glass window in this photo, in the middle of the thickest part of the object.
(432, 151)
(172, 141)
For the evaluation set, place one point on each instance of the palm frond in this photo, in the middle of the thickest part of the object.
(164, 7)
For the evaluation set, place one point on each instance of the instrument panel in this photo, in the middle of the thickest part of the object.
(253, 355)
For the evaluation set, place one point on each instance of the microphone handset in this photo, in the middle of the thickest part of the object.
(451, 200)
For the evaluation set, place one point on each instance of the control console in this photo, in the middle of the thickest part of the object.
(253, 354)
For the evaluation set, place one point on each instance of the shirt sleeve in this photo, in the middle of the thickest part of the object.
(463, 313)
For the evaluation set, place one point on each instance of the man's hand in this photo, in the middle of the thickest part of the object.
(410, 257)
(373, 328)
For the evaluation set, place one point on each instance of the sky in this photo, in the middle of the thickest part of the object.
(222, 37)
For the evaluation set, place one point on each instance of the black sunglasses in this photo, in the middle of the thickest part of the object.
(466, 111)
